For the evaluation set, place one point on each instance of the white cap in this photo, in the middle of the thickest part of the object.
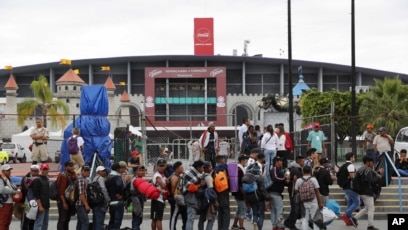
(35, 167)
(166, 149)
(100, 168)
(6, 167)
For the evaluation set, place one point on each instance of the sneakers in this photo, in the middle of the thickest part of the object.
(234, 227)
(346, 220)
(372, 228)
(353, 221)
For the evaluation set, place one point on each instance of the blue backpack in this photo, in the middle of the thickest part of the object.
(249, 187)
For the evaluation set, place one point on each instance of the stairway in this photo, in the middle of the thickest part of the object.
(388, 202)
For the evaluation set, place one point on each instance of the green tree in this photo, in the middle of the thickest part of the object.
(386, 105)
(315, 103)
(43, 99)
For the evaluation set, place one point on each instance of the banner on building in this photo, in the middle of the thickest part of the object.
(203, 36)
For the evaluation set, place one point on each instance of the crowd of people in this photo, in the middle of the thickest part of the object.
(203, 190)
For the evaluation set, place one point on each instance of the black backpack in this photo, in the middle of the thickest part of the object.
(342, 175)
(94, 194)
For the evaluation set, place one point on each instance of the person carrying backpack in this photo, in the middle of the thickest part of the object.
(363, 182)
(324, 178)
(208, 208)
(344, 176)
(220, 170)
(99, 211)
(275, 191)
(26, 189)
(175, 184)
(41, 191)
(255, 194)
(81, 204)
(239, 195)
(116, 185)
(308, 188)
(192, 182)
(295, 172)
(75, 145)
(65, 210)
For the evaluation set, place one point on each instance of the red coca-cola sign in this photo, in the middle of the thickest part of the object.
(203, 36)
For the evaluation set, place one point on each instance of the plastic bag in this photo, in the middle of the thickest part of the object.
(328, 216)
(318, 218)
(334, 206)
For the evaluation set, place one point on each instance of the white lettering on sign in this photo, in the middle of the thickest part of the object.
(154, 73)
(398, 221)
(215, 72)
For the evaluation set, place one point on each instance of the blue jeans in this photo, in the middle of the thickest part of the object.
(277, 210)
(403, 172)
(191, 213)
(202, 219)
(258, 213)
(269, 155)
(116, 215)
(353, 201)
(82, 218)
(41, 222)
(99, 213)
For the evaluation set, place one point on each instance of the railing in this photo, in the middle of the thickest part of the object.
(398, 174)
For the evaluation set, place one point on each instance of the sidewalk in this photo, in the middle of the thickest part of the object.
(336, 225)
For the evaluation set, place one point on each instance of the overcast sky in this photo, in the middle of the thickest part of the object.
(39, 31)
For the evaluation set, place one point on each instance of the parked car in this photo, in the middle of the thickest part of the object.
(4, 157)
(15, 152)
(401, 142)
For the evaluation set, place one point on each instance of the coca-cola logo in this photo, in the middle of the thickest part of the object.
(215, 72)
(155, 72)
(203, 35)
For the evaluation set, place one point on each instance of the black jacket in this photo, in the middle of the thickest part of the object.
(278, 178)
(324, 178)
(399, 165)
(41, 191)
(368, 181)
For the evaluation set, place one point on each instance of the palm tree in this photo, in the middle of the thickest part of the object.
(43, 99)
(386, 105)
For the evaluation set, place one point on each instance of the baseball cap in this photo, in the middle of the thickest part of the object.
(69, 163)
(34, 167)
(382, 129)
(100, 168)
(44, 166)
(135, 152)
(211, 124)
(161, 162)
(316, 125)
(86, 168)
(122, 164)
(6, 167)
(370, 126)
(324, 160)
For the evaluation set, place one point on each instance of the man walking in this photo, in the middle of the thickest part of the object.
(41, 191)
(352, 198)
(366, 177)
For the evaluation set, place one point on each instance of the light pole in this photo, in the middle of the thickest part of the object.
(353, 83)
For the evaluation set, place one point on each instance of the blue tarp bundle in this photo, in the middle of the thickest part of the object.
(93, 125)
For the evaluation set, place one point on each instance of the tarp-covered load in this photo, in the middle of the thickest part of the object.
(93, 124)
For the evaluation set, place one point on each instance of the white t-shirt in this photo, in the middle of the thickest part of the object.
(382, 143)
(299, 181)
(163, 178)
(281, 142)
(241, 132)
(80, 141)
(224, 148)
(269, 142)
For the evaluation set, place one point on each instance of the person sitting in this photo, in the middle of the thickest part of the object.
(402, 163)
(134, 161)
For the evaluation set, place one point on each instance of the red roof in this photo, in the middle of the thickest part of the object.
(70, 76)
(109, 84)
(125, 97)
(11, 83)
